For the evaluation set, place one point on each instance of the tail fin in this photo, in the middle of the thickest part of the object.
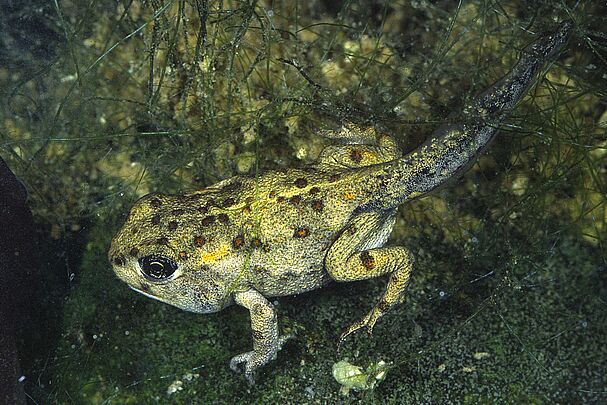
(452, 147)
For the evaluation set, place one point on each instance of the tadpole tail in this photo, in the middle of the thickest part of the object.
(494, 104)
(452, 147)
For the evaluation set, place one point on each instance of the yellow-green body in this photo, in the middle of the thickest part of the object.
(288, 232)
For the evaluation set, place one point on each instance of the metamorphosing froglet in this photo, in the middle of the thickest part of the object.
(289, 231)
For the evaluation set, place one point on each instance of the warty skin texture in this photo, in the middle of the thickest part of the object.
(286, 232)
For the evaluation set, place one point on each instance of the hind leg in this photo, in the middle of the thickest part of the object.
(358, 254)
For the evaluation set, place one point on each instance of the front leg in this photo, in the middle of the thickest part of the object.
(266, 342)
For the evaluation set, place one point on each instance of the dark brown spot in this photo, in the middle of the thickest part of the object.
(223, 218)
(301, 232)
(156, 219)
(233, 186)
(314, 190)
(272, 194)
(383, 306)
(228, 202)
(295, 200)
(134, 252)
(183, 255)
(367, 260)
(280, 199)
(301, 182)
(162, 241)
(177, 211)
(356, 155)
(203, 210)
(172, 225)
(155, 203)
(317, 205)
(256, 242)
(208, 220)
(199, 241)
(334, 177)
(118, 260)
(249, 200)
(238, 242)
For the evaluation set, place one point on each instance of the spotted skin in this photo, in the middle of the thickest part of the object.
(287, 232)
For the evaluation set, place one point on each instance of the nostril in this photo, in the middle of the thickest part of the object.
(118, 260)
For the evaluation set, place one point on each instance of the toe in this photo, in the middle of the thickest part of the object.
(239, 359)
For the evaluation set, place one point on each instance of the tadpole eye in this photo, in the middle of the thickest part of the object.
(157, 268)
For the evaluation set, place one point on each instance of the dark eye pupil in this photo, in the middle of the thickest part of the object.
(157, 268)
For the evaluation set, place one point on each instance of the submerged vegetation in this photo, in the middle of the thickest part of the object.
(102, 104)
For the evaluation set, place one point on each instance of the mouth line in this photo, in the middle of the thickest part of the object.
(146, 294)
(201, 308)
